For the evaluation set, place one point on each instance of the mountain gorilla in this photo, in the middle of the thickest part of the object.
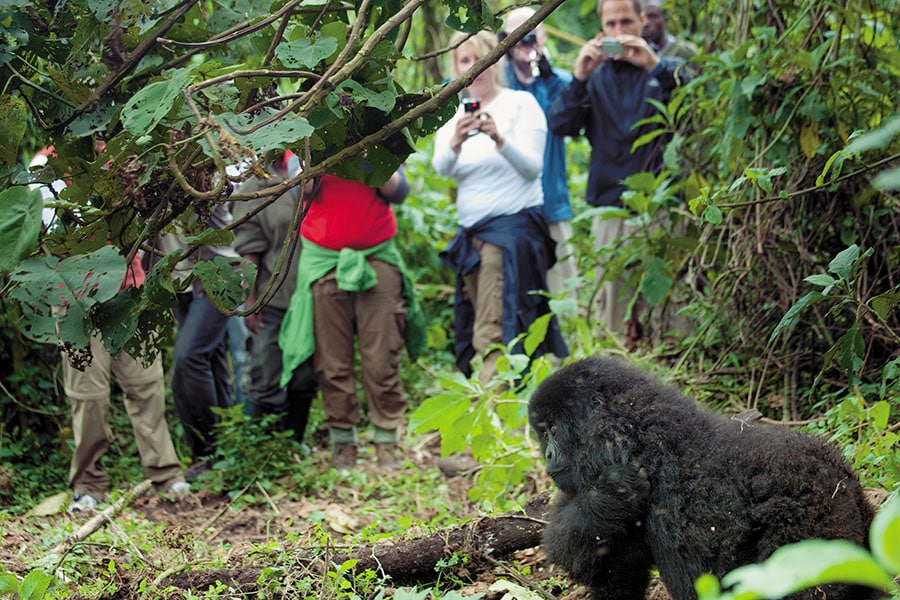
(647, 476)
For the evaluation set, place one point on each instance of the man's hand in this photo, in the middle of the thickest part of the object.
(589, 58)
(638, 52)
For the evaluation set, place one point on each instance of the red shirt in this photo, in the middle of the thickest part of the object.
(348, 214)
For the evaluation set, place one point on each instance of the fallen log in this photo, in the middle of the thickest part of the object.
(405, 561)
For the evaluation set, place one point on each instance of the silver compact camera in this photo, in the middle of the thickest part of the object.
(611, 47)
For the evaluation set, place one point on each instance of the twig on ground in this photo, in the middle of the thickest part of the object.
(99, 520)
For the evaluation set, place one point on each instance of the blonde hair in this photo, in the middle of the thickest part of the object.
(483, 42)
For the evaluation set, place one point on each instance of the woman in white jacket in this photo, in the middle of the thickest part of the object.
(502, 250)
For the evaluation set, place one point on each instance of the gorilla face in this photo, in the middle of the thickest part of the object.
(558, 420)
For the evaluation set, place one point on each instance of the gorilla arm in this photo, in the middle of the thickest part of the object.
(596, 524)
(595, 537)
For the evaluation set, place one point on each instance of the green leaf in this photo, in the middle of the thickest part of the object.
(713, 214)
(287, 132)
(439, 412)
(471, 16)
(887, 180)
(13, 121)
(793, 314)
(411, 594)
(880, 413)
(226, 280)
(884, 304)
(877, 138)
(119, 319)
(34, 585)
(656, 283)
(821, 280)
(383, 101)
(647, 138)
(9, 584)
(537, 331)
(848, 350)
(806, 564)
(151, 104)
(750, 83)
(842, 264)
(884, 536)
(20, 224)
(303, 54)
(76, 283)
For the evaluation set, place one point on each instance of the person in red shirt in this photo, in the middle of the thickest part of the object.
(353, 272)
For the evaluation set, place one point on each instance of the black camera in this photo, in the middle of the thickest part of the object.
(471, 105)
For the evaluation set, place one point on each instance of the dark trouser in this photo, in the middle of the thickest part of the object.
(264, 393)
(378, 317)
(200, 377)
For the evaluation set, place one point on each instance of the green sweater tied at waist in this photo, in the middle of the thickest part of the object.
(354, 274)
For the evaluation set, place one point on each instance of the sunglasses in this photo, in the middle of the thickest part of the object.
(530, 39)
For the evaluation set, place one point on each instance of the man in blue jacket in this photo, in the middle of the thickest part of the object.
(608, 94)
(528, 68)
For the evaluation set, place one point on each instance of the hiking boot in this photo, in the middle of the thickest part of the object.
(388, 455)
(457, 464)
(344, 456)
(83, 502)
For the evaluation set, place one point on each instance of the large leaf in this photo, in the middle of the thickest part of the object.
(286, 132)
(884, 536)
(303, 54)
(35, 585)
(151, 104)
(799, 566)
(226, 280)
(537, 332)
(791, 317)
(439, 412)
(20, 223)
(656, 282)
(57, 293)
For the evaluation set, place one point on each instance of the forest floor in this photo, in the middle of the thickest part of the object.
(215, 546)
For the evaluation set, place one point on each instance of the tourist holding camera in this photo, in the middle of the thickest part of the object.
(494, 150)
(614, 77)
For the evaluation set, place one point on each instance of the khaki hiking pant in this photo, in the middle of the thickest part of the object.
(89, 393)
(484, 289)
(377, 317)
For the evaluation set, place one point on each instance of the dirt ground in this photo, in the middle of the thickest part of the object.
(240, 541)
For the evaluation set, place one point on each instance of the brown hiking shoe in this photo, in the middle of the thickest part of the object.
(344, 456)
(388, 455)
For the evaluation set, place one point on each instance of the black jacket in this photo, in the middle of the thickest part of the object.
(528, 252)
(606, 107)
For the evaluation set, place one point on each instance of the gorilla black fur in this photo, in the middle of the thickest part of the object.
(647, 476)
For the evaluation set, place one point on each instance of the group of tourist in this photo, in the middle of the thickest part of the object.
(345, 284)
